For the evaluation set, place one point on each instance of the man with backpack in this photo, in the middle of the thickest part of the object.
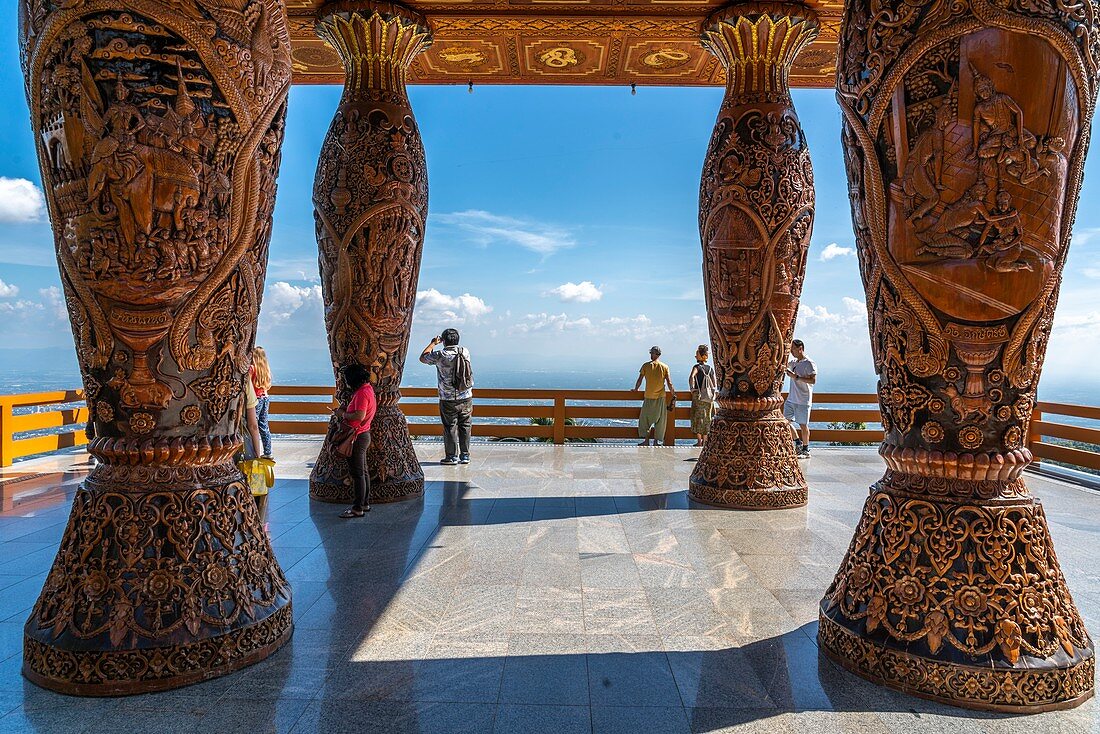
(456, 394)
(704, 391)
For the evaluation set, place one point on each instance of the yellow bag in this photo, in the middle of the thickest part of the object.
(260, 474)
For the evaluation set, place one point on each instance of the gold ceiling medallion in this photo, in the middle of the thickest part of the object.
(561, 57)
(462, 56)
(666, 58)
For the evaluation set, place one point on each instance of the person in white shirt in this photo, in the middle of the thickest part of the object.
(456, 394)
(803, 373)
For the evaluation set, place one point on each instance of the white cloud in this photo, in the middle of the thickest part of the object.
(20, 201)
(8, 290)
(304, 269)
(545, 322)
(691, 294)
(1093, 273)
(583, 292)
(486, 228)
(22, 307)
(282, 300)
(854, 313)
(436, 306)
(833, 250)
(1084, 236)
(54, 300)
(641, 327)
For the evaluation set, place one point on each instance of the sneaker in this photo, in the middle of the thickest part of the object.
(449, 461)
(804, 452)
(464, 459)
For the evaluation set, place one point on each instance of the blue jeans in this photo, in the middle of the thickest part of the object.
(262, 405)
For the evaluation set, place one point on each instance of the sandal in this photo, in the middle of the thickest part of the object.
(351, 512)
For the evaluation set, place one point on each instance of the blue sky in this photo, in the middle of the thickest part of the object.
(562, 234)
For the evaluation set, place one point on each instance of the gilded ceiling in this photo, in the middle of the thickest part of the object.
(647, 42)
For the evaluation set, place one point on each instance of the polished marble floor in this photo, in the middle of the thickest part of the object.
(539, 589)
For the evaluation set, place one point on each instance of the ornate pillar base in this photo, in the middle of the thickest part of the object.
(395, 472)
(748, 461)
(951, 591)
(157, 588)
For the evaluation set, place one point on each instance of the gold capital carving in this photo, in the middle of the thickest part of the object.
(758, 42)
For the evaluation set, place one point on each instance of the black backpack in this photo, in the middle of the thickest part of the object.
(462, 372)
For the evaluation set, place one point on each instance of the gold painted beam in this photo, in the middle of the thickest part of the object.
(649, 43)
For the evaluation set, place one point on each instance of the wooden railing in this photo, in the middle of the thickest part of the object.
(38, 423)
(56, 420)
(571, 413)
(1079, 445)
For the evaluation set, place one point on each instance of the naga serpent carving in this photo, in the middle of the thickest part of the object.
(756, 208)
(158, 126)
(370, 202)
(965, 131)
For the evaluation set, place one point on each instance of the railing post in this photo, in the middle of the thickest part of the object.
(670, 427)
(7, 434)
(559, 419)
(1034, 435)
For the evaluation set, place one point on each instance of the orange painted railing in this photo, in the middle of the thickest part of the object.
(59, 419)
(32, 413)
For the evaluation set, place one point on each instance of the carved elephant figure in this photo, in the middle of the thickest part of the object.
(144, 182)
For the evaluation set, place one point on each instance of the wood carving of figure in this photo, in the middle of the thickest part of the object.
(956, 226)
(1002, 238)
(924, 170)
(999, 134)
(116, 165)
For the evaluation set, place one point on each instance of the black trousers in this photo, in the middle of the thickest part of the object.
(455, 415)
(357, 467)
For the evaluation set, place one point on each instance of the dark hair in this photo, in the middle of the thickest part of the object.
(355, 375)
(798, 343)
(450, 337)
(656, 349)
(703, 349)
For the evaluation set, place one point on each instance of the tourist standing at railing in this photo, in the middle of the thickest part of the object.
(358, 415)
(261, 383)
(803, 373)
(704, 390)
(455, 379)
(655, 405)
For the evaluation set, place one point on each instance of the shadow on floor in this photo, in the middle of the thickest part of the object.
(338, 674)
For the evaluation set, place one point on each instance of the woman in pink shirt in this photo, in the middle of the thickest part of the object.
(358, 415)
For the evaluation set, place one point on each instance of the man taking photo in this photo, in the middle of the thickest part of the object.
(455, 381)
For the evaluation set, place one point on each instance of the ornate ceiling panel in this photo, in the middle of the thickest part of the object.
(647, 42)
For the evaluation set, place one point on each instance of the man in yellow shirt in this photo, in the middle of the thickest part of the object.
(654, 414)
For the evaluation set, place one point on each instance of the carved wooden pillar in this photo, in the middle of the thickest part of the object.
(370, 201)
(158, 126)
(965, 130)
(756, 209)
